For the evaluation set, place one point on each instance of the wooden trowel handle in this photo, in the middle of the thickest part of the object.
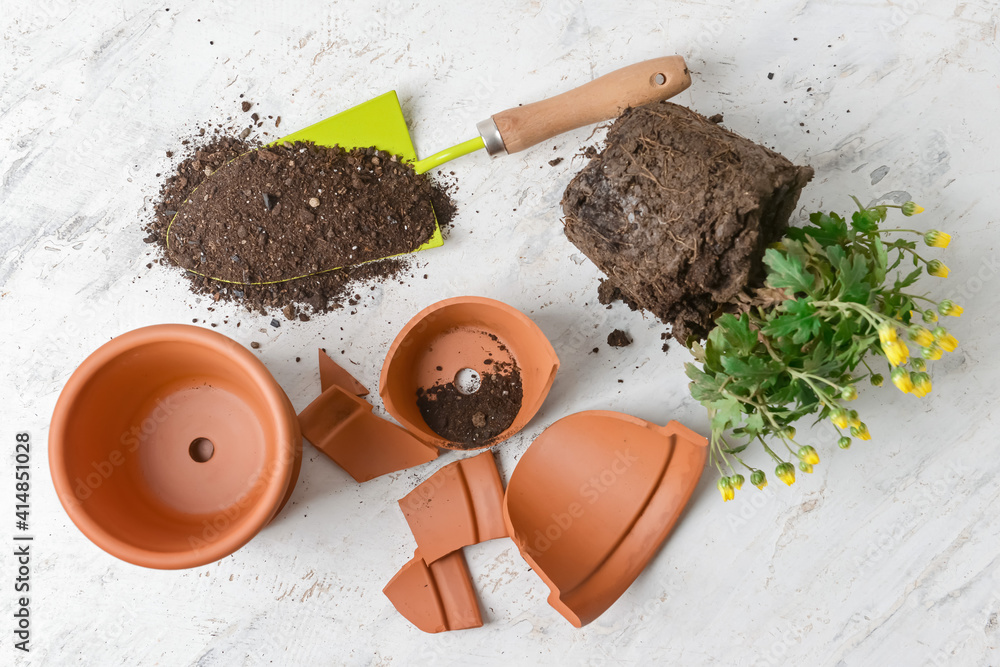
(601, 99)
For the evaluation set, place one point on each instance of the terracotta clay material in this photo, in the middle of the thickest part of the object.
(332, 374)
(342, 426)
(465, 333)
(436, 597)
(171, 446)
(592, 499)
(459, 505)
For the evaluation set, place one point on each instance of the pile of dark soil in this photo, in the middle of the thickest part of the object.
(677, 212)
(244, 237)
(472, 420)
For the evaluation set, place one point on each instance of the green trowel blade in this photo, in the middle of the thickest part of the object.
(378, 122)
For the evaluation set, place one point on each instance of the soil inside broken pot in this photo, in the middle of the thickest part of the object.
(471, 419)
(677, 212)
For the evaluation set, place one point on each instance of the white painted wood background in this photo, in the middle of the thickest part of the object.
(887, 555)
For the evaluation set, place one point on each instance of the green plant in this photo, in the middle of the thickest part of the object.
(836, 292)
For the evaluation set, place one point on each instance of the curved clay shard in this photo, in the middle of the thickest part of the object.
(592, 499)
(343, 427)
(459, 505)
(330, 373)
(460, 333)
(436, 597)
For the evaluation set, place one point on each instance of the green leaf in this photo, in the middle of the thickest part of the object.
(865, 221)
(881, 261)
(799, 321)
(737, 333)
(909, 279)
(754, 369)
(726, 413)
(851, 276)
(829, 229)
(786, 272)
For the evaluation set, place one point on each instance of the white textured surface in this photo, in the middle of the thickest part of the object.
(886, 555)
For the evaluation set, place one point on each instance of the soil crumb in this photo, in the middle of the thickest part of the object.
(472, 420)
(619, 338)
(271, 236)
(677, 212)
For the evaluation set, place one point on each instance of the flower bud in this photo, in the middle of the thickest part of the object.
(921, 384)
(758, 479)
(921, 336)
(805, 467)
(788, 432)
(932, 353)
(937, 268)
(844, 442)
(808, 454)
(861, 432)
(839, 418)
(901, 378)
(786, 473)
(737, 481)
(877, 379)
(949, 307)
(936, 239)
(849, 393)
(726, 489)
(853, 416)
(886, 333)
(930, 317)
(918, 364)
(911, 208)
(896, 352)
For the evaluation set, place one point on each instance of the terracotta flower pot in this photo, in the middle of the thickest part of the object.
(457, 334)
(591, 500)
(171, 446)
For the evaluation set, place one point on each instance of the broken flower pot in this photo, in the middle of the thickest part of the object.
(458, 506)
(477, 339)
(436, 597)
(592, 499)
(171, 446)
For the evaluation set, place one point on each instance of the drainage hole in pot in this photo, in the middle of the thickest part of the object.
(201, 449)
(467, 381)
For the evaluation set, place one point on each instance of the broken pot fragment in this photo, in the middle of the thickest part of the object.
(330, 373)
(592, 499)
(459, 505)
(342, 426)
(437, 597)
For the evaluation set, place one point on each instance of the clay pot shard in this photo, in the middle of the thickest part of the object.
(330, 373)
(343, 427)
(459, 505)
(592, 499)
(437, 597)
(460, 335)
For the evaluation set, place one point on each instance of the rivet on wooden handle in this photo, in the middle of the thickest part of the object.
(601, 99)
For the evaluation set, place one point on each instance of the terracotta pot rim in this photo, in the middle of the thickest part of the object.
(258, 515)
(413, 322)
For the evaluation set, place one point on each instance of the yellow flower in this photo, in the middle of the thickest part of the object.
(922, 336)
(886, 333)
(726, 489)
(861, 432)
(786, 473)
(901, 378)
(937, 268)
(911, 208)
(896, 352)
(921, 384)
(758, 479)
(932, 353)
(839, 418)
(936, 239)
(945, 340)
(949, 307)
(808, 455)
